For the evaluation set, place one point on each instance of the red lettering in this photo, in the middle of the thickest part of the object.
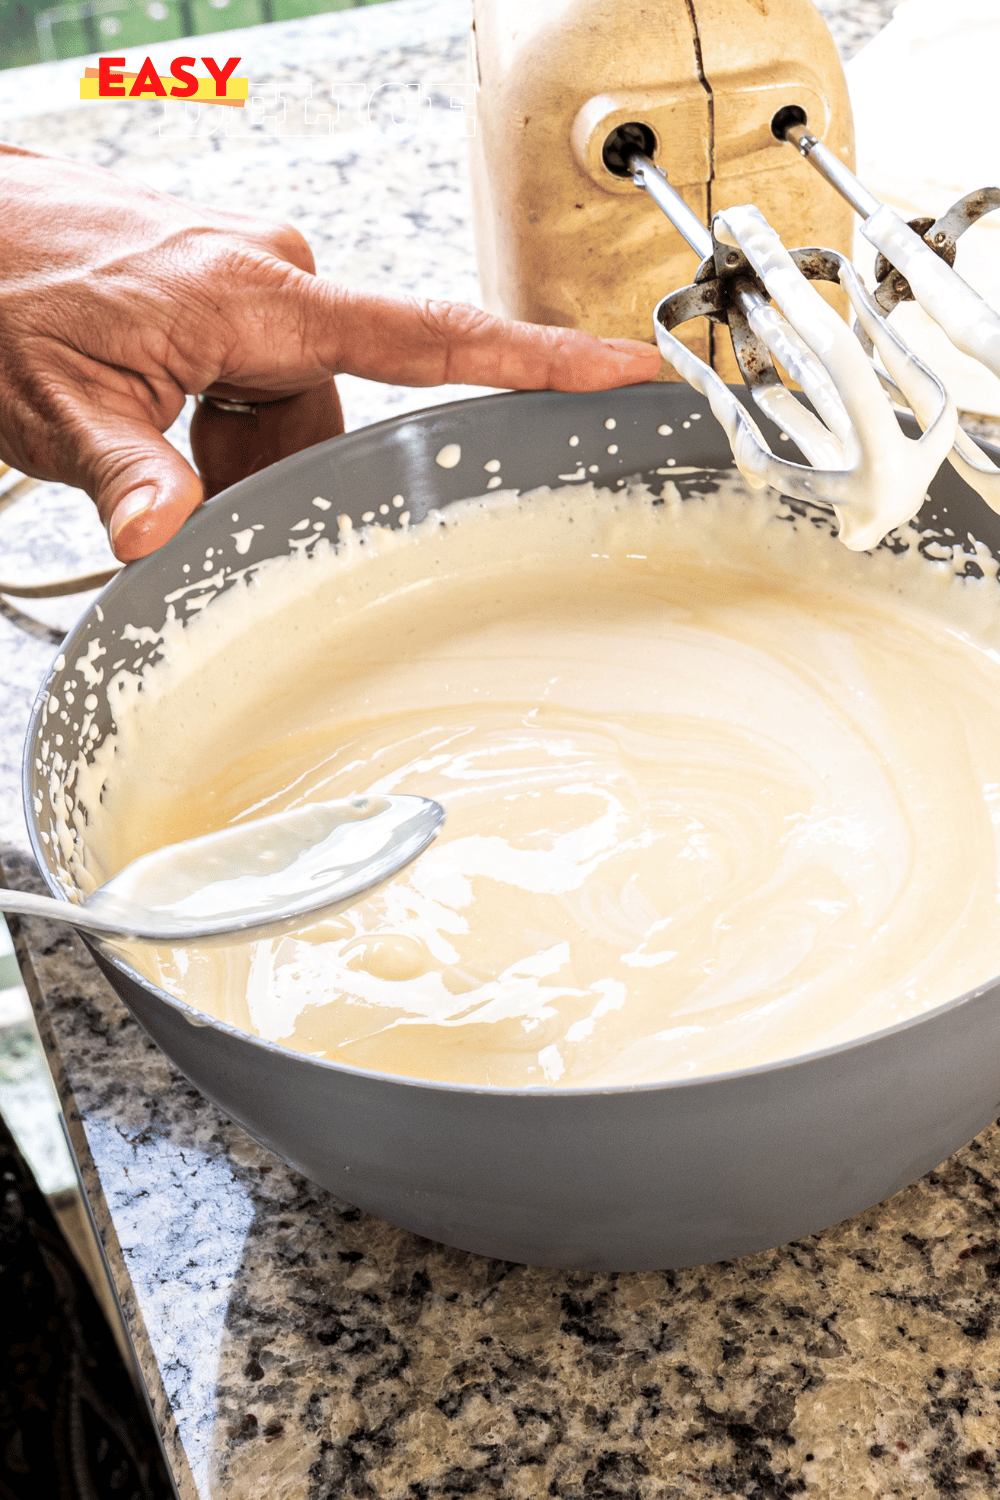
(106, 80)
(147, 82)
(220, 74)
(179, 70)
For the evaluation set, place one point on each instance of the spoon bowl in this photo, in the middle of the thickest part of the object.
(254, 878)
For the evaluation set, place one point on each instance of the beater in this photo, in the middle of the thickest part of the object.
(859, 459)
(915, 264)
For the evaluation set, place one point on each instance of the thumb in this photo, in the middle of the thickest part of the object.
(143, 488)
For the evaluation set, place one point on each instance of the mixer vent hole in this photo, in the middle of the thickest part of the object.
(623, 142)
(789, 114)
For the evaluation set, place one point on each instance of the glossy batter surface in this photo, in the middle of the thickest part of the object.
(718, 791)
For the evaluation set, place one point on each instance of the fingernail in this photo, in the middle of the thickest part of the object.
(128, 511)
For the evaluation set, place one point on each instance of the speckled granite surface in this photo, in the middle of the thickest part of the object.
(296, 1349)
(307, 1350)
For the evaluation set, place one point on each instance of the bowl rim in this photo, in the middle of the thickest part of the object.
(549, 1092)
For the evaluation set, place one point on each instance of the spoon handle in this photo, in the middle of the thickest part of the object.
(27, 905)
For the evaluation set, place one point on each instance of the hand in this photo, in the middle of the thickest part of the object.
(116, 302)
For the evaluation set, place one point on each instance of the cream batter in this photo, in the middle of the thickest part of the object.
(719, 791)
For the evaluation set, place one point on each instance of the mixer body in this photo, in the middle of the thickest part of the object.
(560, 237)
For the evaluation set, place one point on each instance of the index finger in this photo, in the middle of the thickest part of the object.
(403, 341)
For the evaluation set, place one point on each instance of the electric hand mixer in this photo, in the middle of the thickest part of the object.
(556, 246)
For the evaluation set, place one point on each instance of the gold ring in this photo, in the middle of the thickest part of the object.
(223, 403)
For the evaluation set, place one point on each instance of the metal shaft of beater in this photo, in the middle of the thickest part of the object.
(646, 174)
(837, 175)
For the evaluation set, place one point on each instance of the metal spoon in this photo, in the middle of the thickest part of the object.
(252, 878)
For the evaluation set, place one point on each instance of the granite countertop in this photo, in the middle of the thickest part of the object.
(297, 1349)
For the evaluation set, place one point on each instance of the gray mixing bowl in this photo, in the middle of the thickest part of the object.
(625, 1178)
